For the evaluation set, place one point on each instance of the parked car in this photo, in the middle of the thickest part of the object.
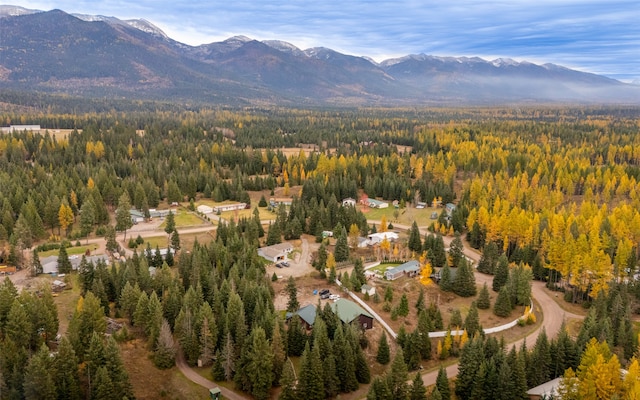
(334, 297)
(324, 294)
(285, 264)
(278, 265)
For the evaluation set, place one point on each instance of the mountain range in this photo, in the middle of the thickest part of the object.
(96, 56)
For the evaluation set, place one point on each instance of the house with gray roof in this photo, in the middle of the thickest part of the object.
(276, 253)
(307, 315)
(410, 269)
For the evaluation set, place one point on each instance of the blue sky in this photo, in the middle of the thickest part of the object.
(602, 37)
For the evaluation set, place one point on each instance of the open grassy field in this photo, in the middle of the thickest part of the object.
(186, 241)
(66, 301)
(76, 250)
(406, 215)
(246, 213)
(185, 218)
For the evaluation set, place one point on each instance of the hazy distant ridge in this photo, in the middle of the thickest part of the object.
(103, 56)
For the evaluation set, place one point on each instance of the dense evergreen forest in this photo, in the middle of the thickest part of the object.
(553, 190)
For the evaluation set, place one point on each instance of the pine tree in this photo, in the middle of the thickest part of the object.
(502, 306)
(38, 383)
(65, 373)
(398, 376)
(341, 251)
(539, 367)
(464, 283)
(501, 273)
(64, 264)
(288, 382)
(259, 361)
(472, 322)
(488, 260)
(170, 223)
(292, 305)
(420, 305)
(403, 307)
(456, 251)
(442, 384)
(310, 384)
(274, 236)
(278, 350)
(87, 217)
(164, 356)
(123, 218)
(446, 283)
(175, 240)
(435, 394)
(117, 373)
(383, 355)
(414, 244)
(417, 390)
(363, 374)
(484, 301)
(102, 388)
(470, 359)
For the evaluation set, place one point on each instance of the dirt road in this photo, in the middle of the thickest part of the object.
(553, 314)
(194, 377)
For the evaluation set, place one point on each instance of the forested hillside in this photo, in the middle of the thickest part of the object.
(553, 193)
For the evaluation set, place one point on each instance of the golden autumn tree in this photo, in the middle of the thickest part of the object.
(425, 269)
(65, 217)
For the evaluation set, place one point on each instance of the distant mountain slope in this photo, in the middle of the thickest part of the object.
(103, 56)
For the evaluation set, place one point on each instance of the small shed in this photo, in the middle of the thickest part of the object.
(215, 393)
(368, 289)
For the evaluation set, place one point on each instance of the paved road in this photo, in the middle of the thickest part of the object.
(195, 377)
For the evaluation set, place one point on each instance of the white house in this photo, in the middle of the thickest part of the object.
(378, 237)
(373, 203)
(276, 253)
(229, 207)
(204, 209)
(349, 202)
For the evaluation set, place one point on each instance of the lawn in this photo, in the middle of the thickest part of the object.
(406, 216)
(186, 241)
(66, 301)
(185, 218)
(380, 269)
(70, 250)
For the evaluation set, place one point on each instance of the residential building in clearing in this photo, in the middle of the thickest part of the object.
(276, 253)
(204, 209)
(307, 315)
(50, 264)
(349, 202)
(378, 237)
(229, 207)
(351, 313)
(20, 128)
(136, 216)
(373, 203)
(410, 269)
